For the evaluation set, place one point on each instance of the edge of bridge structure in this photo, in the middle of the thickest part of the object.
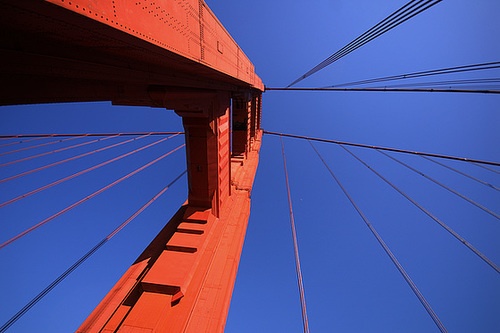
(174, 55)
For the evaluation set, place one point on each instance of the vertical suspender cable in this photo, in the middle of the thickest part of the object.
(400, 268)
(451, 231)
(296, 249)
(80, 261)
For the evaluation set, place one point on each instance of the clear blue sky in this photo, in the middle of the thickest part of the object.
(350, 284)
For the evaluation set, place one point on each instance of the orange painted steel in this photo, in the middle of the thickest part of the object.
(173, 54)
(184, 280)
(85, 50)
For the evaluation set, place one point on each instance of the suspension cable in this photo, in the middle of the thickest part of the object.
(14, 143)
(448, 70)
(79, 173)
(296, 249)
(55, 151)
(443, 186)
(468, 82)
(400, 268)
(385, 148)
(469, 91)
(86, 134)
(80, 261)
(442, 224)
(403, 14)
(69, 159)
(36, 226)
(40, 145)
(462, 173)
(485, 167)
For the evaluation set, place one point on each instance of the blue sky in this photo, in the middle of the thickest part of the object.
(350, 284)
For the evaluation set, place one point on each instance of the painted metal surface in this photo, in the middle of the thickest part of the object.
(83, 50)
(185, 27)
(173, 54)
(184, 280)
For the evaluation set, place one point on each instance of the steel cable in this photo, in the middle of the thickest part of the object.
(463, 159)
(400, 268)
(295, 248)
(80, 261)
(485, 167)
(54, 151)
(469, 82)
(379, 31)
(441, 71)
(463, 173)
(403, 14)
(442, 224)
(443, 186)
(40, 136)
(470, 91)
(40, 145)
(356, 41)
(38, 225)
(13, 143)
(79, 173)
(68, 159)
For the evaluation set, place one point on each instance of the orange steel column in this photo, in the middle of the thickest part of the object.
(184, 279)
(173, 54)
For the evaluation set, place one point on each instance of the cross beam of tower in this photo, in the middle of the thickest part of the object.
(170, 54)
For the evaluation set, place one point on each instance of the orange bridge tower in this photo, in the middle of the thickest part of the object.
(170, 54)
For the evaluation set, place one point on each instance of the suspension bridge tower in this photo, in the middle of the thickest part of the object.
(168, 54)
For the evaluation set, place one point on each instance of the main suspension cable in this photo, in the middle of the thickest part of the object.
(36, 226)
(384, 148)
(462, 173)
(400, 268)
(443, 186)
(467, 91)
(401, 15)
(80, 261)
(69, 159)
(295, 249)
(79, 173)
(442, 224)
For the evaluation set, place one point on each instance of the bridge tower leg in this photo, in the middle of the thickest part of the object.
(183, 280)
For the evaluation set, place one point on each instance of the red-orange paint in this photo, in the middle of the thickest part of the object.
(173, 54)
